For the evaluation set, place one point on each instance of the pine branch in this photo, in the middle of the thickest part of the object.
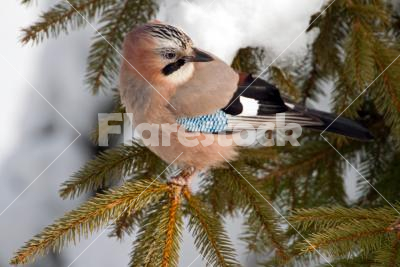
(303, 161)
(111, 166)
(157, 242)
(369, 12)
(329, 185)
(321, 218)
(284, 82)
(210, 237)
(149, 239)
(389, 254)
(125, 224)
(261, 155)
(248, 60)
(173, 230)
(119, 19)
(262, 221)
(90, 217)
(62, 16)
(351, 232)
(307, 177)
(221, 195)
(358, 69)
(311, 86)
(386, 94)
(326, 47)
(259, 159)
(215, 193)
(260, 233)
(386, 181)
(348, 238)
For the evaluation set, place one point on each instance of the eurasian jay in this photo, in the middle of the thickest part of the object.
(164, 79)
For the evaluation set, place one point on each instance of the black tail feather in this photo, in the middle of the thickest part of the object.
(339, 125)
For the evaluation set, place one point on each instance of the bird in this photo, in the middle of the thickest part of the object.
(166, 80)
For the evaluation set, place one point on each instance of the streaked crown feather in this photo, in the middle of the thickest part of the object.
(169, 33)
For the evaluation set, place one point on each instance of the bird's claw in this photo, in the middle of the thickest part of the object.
(183, 178)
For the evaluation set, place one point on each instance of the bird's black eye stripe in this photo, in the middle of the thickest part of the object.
(172, 67)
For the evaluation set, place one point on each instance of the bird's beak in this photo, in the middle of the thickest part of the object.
(199, 56)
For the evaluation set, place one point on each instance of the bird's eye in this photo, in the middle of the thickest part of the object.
(170, 55)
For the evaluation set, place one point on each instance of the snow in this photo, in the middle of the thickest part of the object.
(223, 26)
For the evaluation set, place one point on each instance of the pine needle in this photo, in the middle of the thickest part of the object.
(262, 221)
(209, 234)
(63, 16)
(118, 20)
(110, 167)
(159, 235)
(90, 217)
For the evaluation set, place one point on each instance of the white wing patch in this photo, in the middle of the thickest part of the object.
(250, 106)
(289, 105)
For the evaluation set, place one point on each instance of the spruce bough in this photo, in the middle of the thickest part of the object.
(355, 42)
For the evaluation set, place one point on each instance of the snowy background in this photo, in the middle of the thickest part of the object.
(43, 94)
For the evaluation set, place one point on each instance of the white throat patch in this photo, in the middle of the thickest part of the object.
(182, 75)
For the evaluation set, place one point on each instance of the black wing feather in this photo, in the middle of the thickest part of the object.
(267, 96)
(268, 102)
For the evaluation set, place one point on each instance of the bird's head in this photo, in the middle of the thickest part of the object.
(162, 53)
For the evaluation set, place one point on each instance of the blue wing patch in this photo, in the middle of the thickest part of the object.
(211, 123)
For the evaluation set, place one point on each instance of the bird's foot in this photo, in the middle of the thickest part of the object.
(183, 178)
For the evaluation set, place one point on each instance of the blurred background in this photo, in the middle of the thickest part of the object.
(44, 97)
